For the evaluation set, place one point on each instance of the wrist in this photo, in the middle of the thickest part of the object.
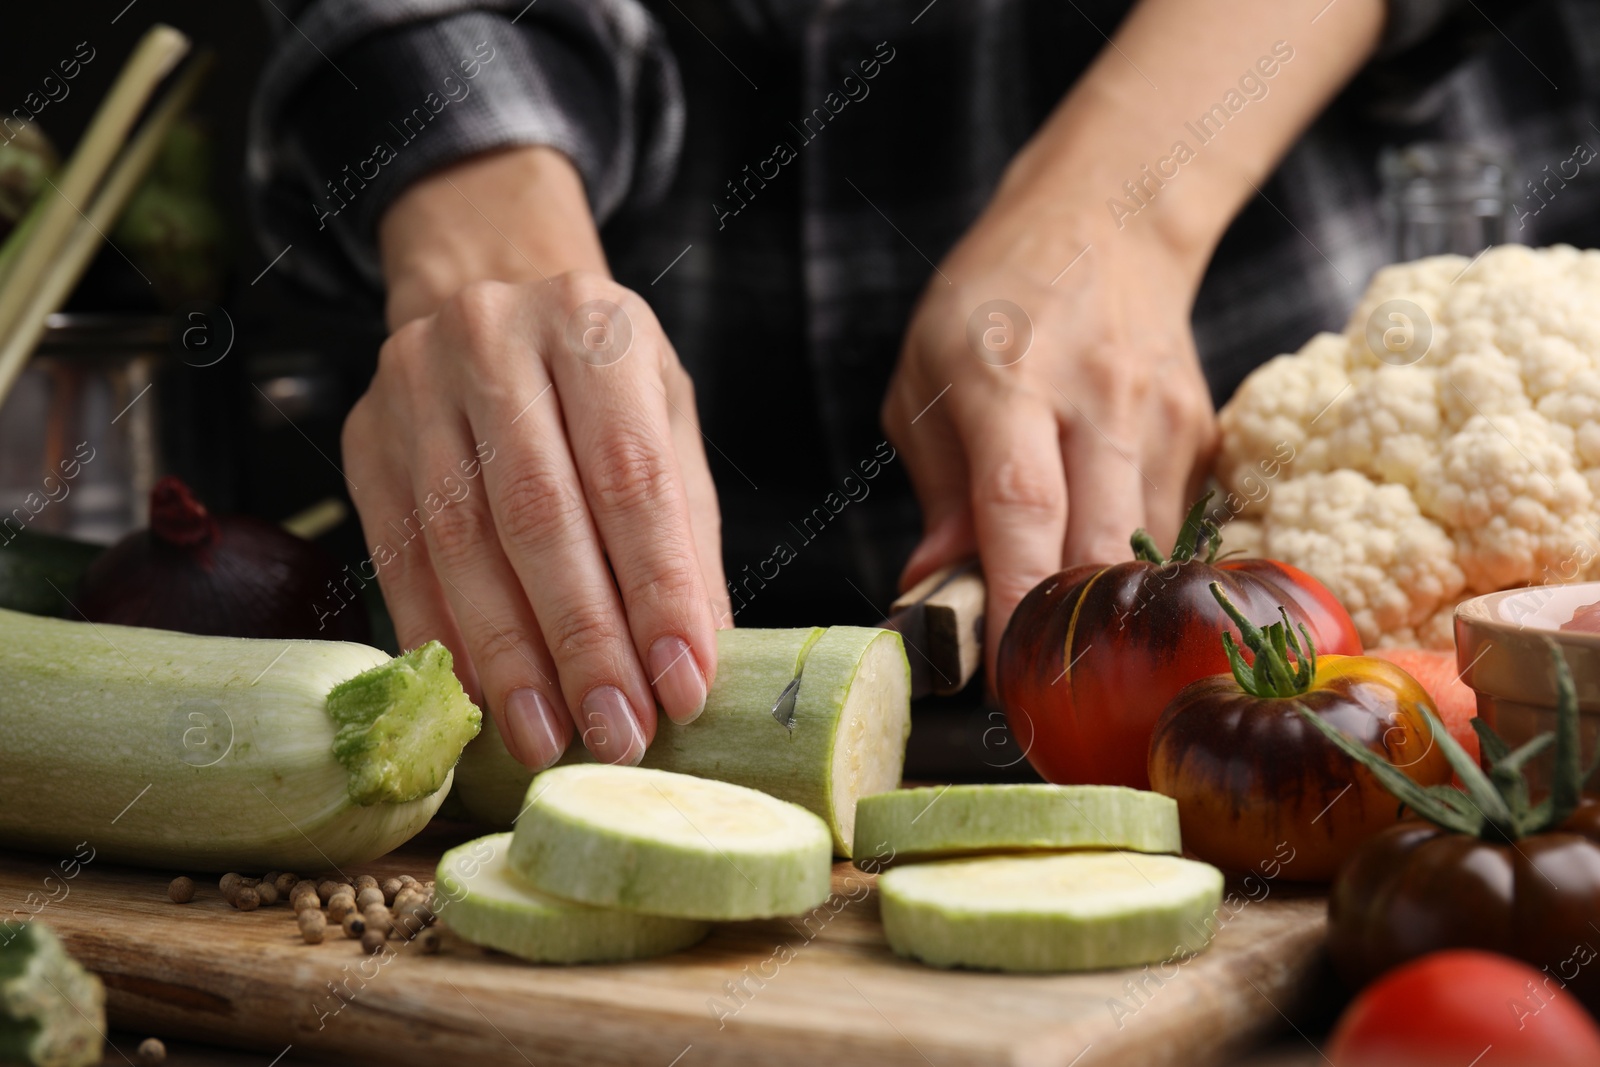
(513, 215)
(1102, 168)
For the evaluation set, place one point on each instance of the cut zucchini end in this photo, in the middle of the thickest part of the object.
(869, 751)
(482, 898)
(52, 1011)
(1076, 911)
(402, 726)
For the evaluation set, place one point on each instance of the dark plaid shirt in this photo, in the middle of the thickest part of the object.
(774, 176)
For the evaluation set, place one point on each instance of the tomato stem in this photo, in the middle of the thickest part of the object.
(1196, 533)
(1145, 548)
(1271, 675)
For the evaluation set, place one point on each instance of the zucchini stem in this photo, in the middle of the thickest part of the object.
(401, 726)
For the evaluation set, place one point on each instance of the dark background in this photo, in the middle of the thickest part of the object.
(314, 358)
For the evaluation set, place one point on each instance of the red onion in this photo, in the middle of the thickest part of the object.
(223, 575)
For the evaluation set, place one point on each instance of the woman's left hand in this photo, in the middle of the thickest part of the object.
(1048, 399)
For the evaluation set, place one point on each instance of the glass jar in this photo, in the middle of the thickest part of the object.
(1442, 197)
(79, 433)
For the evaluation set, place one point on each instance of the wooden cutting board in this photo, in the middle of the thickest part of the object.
(772, 992)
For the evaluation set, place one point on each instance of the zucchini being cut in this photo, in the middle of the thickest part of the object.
(670, 844)
(963, 820)
(480, 897)
(852, 716)
(220, 753)
(1073, 911)
(52, 1011)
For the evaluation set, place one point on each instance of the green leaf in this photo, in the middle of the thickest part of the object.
(1477, 784)
(1536, 818)
(1515, 761)
(1419, 799)
(1566, 780)
(1493, 747)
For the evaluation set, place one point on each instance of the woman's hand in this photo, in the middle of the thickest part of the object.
(1048, 398)
(1070, 406)
(529, 473)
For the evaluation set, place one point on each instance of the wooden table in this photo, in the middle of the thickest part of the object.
(208, 973)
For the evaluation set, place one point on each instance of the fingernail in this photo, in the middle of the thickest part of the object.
(676, 678)
(610, 728)
(534, 734)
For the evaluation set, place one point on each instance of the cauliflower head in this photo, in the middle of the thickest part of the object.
(1446, 444)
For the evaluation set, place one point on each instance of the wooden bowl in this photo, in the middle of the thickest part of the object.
(1500, 649)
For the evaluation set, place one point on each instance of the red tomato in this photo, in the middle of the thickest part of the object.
(1440, 675)
(1094, 654)
(1460, 1007)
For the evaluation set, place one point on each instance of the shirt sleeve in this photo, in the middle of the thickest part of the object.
(359, 98)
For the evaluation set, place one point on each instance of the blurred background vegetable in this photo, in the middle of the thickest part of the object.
(27, 159)
(220, 575)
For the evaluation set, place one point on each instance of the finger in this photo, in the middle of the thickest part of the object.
(501, 633)
(411, 591)
(1105, 493)
(705, 516)
(937, 468)
(1166, 494)
(1019, 502)
(1178, 460)
(542, 525)
(621, 440)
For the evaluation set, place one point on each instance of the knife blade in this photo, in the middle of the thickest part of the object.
(783, 709)
(940, 619)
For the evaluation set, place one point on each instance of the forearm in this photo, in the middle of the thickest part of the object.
(1138, 140)
(516, 214)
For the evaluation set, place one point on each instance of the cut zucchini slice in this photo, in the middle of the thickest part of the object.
(963, 820)
(1074, 911)
(479, 896)
(670, 844)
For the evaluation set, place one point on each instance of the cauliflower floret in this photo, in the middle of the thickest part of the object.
(1480, 383)
(1388, 427)
(1418, 482)
(1578, 406)
(1390, 566)
(1242, 536)
(1509, 490)
(1276, 413)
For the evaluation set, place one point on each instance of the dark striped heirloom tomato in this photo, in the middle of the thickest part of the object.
(1251, 775)
(1093, 654)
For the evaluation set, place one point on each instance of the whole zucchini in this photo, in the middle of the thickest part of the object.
(217, 753)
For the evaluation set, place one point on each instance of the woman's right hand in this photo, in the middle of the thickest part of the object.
(529, 473)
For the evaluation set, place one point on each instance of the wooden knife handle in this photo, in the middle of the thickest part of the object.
(953, 600)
